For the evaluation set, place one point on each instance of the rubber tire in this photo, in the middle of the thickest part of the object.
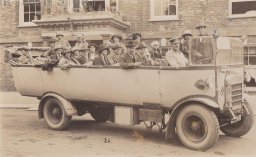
(65, 120)
(100, 114)
(242, 127)
(208, 117)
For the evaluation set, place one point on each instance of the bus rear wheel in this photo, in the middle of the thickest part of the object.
(242, 127)
(197, 127)
(54, 114)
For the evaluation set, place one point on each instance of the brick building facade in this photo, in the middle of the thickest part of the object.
(155, 19)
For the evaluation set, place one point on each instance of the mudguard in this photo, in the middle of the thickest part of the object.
(69, 108)
(170, 132)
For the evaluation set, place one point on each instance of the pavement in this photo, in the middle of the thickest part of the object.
(16, 101)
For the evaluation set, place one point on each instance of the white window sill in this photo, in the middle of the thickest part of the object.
(240, 16)
(27, 24)
(164, 18)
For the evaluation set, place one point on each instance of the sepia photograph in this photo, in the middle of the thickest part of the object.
(127, 78)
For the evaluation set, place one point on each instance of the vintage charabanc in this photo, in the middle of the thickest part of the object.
(197, 100)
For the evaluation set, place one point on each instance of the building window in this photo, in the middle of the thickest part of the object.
(242, 8)
(161, 10)
(94, 5)
(250, 54)
(29, 10)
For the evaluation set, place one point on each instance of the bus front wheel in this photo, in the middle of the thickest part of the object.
(197, 127)
(242, 127)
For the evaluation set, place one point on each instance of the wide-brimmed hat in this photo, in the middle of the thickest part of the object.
(59, 34)
(75, 49)
(83, 48)
(116, 35)
(116, 46)
(155, 43)
(174, 40)
(67, 51)
(187, 32)
(92, 44)
(58, 47)
(102, 47)
(200, 24)
(141, 45)
(23, 48)
(131, 43)
(136, 34)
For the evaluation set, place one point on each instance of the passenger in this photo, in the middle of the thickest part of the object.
(66, 61)
(102, 58)
(81, 42)
(129, 60)
(61, 42)
(201, 29)
(114, 58)
(155, 52)
(147, 60)
(83, 56)
(116, 40)
(174, 57)
(137, 37)
(25, 57)
(140, 50)
(75, 55)
(54, 57)
(184, 47)
(92, 51)
(11, 55)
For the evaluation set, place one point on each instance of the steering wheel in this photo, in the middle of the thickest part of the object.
(203, 60)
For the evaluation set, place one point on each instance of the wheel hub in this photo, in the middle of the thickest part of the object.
(56, 112)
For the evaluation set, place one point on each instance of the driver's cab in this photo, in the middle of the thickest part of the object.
(207, 50)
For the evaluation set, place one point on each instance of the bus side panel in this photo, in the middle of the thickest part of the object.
(177, 84)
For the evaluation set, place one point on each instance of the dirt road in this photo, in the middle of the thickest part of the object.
(23, 135)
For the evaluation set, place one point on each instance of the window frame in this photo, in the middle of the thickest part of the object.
(230, 15)
(22, 23)
(107, 5)
(164, 17)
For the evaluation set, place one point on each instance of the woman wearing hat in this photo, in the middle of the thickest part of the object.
(81, 42)
(102, 58)
(66, 61)
(75, 55)
(116, 40)
(25, 57)
(155, 51)
(184, 45)
(140, 50)
(61, 42)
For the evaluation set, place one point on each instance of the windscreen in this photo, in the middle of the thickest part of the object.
(201, 51)
(229, 51)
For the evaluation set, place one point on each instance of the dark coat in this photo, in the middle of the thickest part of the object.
(127, 61)
(99, 61)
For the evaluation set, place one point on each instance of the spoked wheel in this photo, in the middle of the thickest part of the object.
(54, 114)
(197, 127)
(100, 114)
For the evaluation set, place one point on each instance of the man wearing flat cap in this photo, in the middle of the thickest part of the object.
(66, 61)
(102, 58)
(175, 57)
(129, 59)
(114, 57)
(201, 29)
(61, 42)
